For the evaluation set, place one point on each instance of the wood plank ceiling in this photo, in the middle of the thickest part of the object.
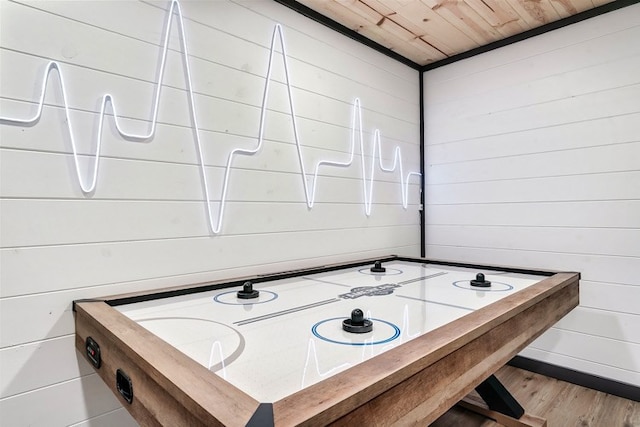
(428, 31)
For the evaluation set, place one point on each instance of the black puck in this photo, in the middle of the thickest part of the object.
(357, 324)
(378, 268)
(480, 282)
(247, 291)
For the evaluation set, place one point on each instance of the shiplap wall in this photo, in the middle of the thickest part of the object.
(533, 159)
(144, 226)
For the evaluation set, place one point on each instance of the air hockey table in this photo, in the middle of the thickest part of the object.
(393, 340)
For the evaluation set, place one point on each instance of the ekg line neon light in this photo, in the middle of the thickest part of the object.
(312, 365)
(88, 186)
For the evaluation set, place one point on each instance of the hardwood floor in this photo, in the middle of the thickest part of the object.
(561, 403)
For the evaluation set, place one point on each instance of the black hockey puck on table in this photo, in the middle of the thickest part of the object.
(357, 324)
(247, 291)
(480, 282)
(378, 268)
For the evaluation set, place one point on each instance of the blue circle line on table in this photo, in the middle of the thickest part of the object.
(245, 301)
(476, 288)
(389, 272)
(396, 333)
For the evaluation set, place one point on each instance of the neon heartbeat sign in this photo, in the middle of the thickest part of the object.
(88, 185)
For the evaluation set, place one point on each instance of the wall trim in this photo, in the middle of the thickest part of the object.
(423, 225)
(600, 10)
(616, 388)
(318, 17)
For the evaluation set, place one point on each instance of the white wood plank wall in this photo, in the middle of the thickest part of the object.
(533, 159)
(145, 226)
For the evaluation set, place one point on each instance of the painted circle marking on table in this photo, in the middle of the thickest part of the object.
(224, 362)
(464, 284)
(394, 335)
(389, 272)
(235, 301)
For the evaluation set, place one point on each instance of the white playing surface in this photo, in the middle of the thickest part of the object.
(269, 348)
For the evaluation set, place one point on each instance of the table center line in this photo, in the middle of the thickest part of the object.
(325, 281)
(284, 312)
(436, 302)
(431, 276)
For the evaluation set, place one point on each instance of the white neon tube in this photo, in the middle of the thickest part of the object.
(215, 225)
